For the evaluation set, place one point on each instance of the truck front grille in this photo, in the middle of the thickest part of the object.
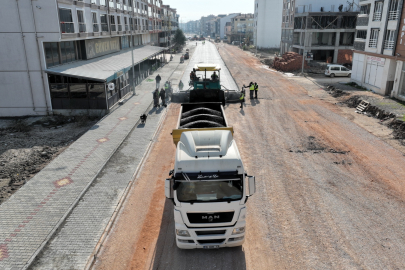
(210, 232)
(220, 217)
(211, 241)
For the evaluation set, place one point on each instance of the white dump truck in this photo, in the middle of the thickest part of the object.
(209, 188)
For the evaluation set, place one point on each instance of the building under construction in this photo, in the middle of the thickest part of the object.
(328, 33)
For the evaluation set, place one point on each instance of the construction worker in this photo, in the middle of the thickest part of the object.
(158, 79)
(162, 95)
(214, 76)
(181, 85)
(242, 98)
(156, 98)
(256, 89)
(251, 89)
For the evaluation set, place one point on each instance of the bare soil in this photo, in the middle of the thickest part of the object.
(28, 145)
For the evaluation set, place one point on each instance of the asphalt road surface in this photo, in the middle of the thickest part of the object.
(329, 194)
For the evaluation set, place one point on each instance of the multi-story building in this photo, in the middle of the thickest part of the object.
(228, 32)
(60, 55)
(268, 17)
(327, 31)
(378, 47)
(243, 28)
(398, 90)
(204, 26)
(223, 22)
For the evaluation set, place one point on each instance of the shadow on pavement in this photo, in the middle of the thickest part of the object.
(169, 256)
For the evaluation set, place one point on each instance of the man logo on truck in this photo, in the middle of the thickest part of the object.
(210, 218)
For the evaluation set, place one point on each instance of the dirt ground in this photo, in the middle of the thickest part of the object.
(330, 186)
(28, 145)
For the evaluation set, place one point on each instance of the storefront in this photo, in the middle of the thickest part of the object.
(100, 82)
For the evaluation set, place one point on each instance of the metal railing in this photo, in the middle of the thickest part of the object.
(113, 27)
(389, 44)
(119, 27)
(377, 16)
(393, 15)
(82, 27)
(126, 27)
(67, 27)
(372, 43)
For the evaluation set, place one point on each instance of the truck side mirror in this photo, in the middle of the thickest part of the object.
(168, 189)
(252, 185)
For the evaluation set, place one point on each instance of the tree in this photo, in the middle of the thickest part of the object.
(179, 37)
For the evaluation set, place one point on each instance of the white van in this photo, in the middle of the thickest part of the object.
(337, 70)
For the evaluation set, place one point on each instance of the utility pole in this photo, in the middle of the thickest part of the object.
(256, 32)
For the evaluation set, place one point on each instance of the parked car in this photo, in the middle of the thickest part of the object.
(337, 70)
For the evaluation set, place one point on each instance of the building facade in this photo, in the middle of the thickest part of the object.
(377, 58)
(325, 28)
(267, 33)
(242, 28)
(55, 53)
(223, 22)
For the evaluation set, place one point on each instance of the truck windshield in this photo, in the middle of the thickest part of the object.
(210, 191)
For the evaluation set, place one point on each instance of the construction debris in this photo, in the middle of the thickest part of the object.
(290, 61)
(362, 106)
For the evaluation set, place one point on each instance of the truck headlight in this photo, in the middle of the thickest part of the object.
(182, 233)
(238, 230)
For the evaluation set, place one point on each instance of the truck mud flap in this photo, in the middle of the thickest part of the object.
(207, 95)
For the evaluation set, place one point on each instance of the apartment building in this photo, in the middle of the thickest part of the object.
(205, 26)
(374, 58)
(242, 28)
(325, 28)
(223, 23)
(268, 18)
(59, 56)
(398, 90)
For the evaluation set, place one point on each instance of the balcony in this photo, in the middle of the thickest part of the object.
(377, 16)
(67, 27)
(95, 28)
(113, 27)
(119, 27)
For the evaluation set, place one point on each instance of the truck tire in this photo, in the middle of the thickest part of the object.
(202, 124)
(209, 117)
(201, 111)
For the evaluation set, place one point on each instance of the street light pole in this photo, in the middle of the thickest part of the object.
(132, 56)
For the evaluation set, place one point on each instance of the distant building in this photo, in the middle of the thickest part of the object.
(325, 28)
(268, 20)
(242, 28)
(205, 27)
(223, 22)
(380, 48)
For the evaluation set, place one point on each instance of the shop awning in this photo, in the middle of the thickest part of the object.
(105, 68)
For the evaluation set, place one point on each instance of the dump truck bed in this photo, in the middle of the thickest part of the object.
(202, 117)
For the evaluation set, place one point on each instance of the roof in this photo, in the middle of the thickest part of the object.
(105, 68)
(207, 66)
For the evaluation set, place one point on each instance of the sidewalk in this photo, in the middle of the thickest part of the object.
(54, 203)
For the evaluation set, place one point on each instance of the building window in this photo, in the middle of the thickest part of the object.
(361, 34)
(394, 10)
(68, 52)
(112, 23)
(51, 53)
(378, 8)
(80, 19)
(365, 9)
(131, 23)
(126, 23)
(104, 22)
(119, 23)
(95, 23)
(66, 21)
(373, 38)
(103, 3)
(389, 40)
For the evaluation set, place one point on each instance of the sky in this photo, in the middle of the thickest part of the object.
(190, 10)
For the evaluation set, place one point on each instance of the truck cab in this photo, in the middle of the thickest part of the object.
(209, 188)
